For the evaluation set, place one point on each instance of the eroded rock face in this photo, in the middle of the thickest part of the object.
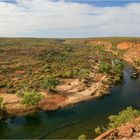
(132, 53)
(125, 45)
(126, 131)
(111, 134)
(137, 128)
(129, 131)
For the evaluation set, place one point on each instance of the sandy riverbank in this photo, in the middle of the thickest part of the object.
(69, 92)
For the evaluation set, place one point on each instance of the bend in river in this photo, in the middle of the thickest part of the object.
(78, 119)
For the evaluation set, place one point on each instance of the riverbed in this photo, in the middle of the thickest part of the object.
(81, 118)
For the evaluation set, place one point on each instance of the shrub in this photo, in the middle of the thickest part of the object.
(2, 109)
(136, 62)
(98, 130)
(117, 65)
(117, 79)
(83, 73)
(82, 137)
(2, 105)
(67, 74)
(124, 116)
(114, 47)
(103, 67)
(1, 102)
(117, 69)
(31, 98)
(49, 83)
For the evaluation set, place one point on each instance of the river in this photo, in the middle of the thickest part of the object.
(78, 119)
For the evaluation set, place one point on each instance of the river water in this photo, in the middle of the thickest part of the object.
(78, 119)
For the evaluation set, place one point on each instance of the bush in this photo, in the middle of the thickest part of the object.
(1, 101)
(117, 79)
(49, 83)
(98, 130)
(2, 109)
(124, 116)
(117, 70)
(82, 137)
(31, 98)
(67, 74)
(136, 62)
(114, 47)
(2, 105)
(103, 67)
(83, 73)
(117, 65)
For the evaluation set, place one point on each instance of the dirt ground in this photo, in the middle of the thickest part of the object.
(70, 91)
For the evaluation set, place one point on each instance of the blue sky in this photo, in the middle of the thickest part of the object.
(100, 3)
(105, 3)
(69, 18)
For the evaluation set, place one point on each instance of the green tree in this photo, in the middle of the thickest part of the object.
(103, 67)
(49, 83)
(117, 65)
(84, 73)
(117, 70)
(31, 98)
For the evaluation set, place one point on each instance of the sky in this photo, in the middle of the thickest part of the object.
(69, 18)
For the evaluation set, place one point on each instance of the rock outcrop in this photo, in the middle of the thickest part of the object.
(129, 131)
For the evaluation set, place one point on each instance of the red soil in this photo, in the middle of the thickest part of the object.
(125, 45)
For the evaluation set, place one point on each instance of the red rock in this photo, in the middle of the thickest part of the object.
(106, 134)
(3, 90)
(125, 45)
(20, 72)
(126, 131)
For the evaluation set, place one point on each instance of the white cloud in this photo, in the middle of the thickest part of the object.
(45, 18)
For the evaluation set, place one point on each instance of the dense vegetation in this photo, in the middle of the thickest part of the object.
(26, 62)
(124, 116)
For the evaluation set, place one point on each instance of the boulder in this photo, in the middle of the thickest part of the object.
(107, 135)
(126, 131)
